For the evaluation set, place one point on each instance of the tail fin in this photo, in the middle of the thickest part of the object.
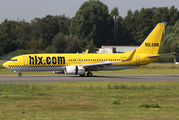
(152, 42)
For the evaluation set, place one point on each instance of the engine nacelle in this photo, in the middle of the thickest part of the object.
(75, 70)
(58, 72)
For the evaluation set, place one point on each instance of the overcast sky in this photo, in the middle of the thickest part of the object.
(29, 9)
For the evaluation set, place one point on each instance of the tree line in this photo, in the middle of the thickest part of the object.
(91, 27)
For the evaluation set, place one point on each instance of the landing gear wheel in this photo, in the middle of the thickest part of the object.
(20, 74)
(89, 74)
(82, 75)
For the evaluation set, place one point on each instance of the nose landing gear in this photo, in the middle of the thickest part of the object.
(20, 74)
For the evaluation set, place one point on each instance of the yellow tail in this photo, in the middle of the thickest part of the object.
(152, 42)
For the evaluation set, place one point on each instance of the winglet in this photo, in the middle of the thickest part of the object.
(131, 56)
(86, 52)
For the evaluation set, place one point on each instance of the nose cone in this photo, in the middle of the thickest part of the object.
(6, 64)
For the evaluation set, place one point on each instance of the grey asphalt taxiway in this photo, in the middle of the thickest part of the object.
(96, 78)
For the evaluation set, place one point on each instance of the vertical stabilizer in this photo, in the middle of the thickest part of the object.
(152, 42)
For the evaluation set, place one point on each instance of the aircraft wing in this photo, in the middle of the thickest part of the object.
(154, 56)
(107, 63)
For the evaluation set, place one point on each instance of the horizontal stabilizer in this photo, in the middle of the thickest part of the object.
(161, 55)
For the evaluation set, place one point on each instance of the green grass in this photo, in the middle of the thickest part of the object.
(92, 100)
(89, 101)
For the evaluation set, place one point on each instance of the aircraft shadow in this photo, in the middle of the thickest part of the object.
(100, 76)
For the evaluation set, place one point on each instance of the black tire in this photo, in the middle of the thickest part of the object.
(20, 74)
(89, 74)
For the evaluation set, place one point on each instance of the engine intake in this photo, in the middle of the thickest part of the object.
(74, 70)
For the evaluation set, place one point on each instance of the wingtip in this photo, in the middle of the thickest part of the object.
(86, 52)
(131, 56)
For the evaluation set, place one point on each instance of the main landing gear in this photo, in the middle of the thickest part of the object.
(89, 74)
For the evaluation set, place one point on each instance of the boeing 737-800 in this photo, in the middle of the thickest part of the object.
(80, 63)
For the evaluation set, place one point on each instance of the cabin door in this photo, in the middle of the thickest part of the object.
(25, 61)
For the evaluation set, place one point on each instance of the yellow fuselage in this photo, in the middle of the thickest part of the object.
(55, 60)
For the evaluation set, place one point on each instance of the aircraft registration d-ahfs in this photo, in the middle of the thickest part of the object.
(78, 64)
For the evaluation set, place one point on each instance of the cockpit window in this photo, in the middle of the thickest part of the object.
(13, 59)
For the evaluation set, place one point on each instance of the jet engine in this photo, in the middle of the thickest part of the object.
(77, 70)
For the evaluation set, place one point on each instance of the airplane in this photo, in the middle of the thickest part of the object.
(80, 63)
